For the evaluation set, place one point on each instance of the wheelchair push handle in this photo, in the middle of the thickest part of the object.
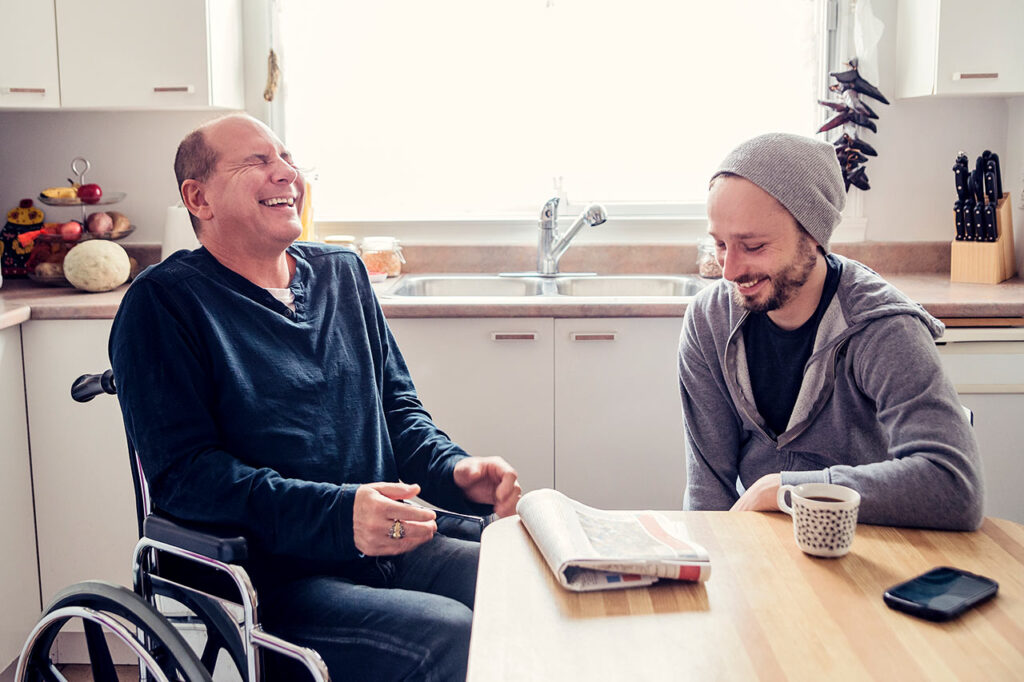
(88, 386)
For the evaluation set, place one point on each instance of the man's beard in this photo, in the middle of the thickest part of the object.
(784, 284)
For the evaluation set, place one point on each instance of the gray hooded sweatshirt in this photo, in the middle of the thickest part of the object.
(875, 411)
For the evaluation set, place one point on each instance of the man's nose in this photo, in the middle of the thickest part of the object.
(732, 265)
(284, 172)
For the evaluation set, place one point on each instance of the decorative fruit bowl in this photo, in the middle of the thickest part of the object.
(107, 198)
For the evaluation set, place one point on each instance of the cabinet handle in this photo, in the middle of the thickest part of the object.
(189, 89)
(592, 336)
(513, 336)
(24, 91)
(958, 76)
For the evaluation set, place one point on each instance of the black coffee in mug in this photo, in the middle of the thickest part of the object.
(825, 499)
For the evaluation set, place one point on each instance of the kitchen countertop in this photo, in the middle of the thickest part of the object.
(919, 269)
(21, 300)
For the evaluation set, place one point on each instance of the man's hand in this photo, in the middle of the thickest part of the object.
(489, 480)
(761, 495)
(375, 511)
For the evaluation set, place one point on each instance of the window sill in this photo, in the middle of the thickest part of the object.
(506, 231)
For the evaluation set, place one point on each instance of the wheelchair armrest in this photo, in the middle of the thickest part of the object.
(228, 550)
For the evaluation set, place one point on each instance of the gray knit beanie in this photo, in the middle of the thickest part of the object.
(801, 173)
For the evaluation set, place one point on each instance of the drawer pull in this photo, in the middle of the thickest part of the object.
(513, 336)
(958, 76)
(24, 91)
(188, 89)
(592, 336)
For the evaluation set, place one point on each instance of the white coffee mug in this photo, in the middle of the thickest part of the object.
(824, 516)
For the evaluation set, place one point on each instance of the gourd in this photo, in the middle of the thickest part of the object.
(97, 265)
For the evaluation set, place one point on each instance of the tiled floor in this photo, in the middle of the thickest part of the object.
(81, 673)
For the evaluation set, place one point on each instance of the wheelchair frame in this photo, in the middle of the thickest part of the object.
(243, 642)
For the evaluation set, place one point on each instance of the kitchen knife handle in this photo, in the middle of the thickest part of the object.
(979, 222)
(993, 167)
(960, 177)
(958, 216)
(990, 187)
(969, 230)
(991, 230)
(977, 187)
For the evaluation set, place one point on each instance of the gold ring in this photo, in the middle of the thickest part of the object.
(397, 531)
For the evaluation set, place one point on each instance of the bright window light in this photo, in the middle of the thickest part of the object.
(448, 109)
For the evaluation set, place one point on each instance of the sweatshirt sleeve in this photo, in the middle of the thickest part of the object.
(932, 475)
(166, 396)
(709, 419)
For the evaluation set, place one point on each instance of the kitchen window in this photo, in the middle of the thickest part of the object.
(480, 110)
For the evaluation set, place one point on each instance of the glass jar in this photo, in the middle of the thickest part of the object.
(707, 259)
(345, 241)
(383, 254)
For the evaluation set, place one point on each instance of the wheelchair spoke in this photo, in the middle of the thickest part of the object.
(99, 654)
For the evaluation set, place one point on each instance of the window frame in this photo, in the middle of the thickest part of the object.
(641, 222)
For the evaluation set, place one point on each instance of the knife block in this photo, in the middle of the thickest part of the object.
(987, 262)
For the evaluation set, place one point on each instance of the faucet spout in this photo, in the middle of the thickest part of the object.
(551, 245)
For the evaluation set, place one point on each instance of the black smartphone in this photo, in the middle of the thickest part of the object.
(942, 593)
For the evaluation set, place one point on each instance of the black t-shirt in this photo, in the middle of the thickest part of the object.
(776, 357)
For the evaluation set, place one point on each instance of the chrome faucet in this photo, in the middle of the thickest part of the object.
(551, 245)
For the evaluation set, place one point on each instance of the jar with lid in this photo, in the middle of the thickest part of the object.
(707, 260)
(345, 241)
(383, 254)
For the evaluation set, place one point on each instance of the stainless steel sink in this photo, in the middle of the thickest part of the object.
(631, 285)
(575, 286)
(467, 285)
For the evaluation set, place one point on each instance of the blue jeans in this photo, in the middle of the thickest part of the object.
(391, 618)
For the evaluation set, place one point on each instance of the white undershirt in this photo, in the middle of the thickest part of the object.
(284, 296)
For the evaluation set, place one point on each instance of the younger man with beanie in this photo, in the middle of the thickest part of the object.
(804, 366)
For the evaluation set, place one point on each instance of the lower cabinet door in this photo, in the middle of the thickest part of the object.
(987, 369)
(619, 440)
(85, 502)
(19, 570)
(487, 384)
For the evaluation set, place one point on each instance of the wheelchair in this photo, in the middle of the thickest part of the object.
(194, 568)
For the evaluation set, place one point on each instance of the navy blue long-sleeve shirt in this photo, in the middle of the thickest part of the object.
(253, 417)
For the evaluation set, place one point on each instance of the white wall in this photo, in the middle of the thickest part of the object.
(912, 191)
(131, 152)
(1013, 173)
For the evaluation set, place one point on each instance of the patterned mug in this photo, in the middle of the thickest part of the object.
(824, 516)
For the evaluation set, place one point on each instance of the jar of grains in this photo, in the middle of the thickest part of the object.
(383, 254)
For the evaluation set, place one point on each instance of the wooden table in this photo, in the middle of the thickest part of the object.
(768, 611)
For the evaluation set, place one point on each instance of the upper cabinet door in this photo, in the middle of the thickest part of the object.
(28, 67)
(960, 47)
(185, 54)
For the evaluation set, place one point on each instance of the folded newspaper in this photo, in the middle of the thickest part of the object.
(591, 549)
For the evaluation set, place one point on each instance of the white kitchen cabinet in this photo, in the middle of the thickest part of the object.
(19, 574)
(987, 368)
(85, 501)
(960, 47)
(487, 384)
(619, 440)
(587, 406)
(150, 55)
(28, 68)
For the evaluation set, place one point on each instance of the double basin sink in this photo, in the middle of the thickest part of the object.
(562, 285)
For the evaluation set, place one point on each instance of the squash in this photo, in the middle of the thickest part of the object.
(97, 265)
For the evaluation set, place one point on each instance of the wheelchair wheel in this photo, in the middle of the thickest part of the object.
(107, 608)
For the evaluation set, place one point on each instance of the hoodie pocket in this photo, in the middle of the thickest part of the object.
(798, 460)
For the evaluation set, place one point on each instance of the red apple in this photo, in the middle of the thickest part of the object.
(71, 231)
(90, 193)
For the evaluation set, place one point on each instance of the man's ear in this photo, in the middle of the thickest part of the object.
(193, 194)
